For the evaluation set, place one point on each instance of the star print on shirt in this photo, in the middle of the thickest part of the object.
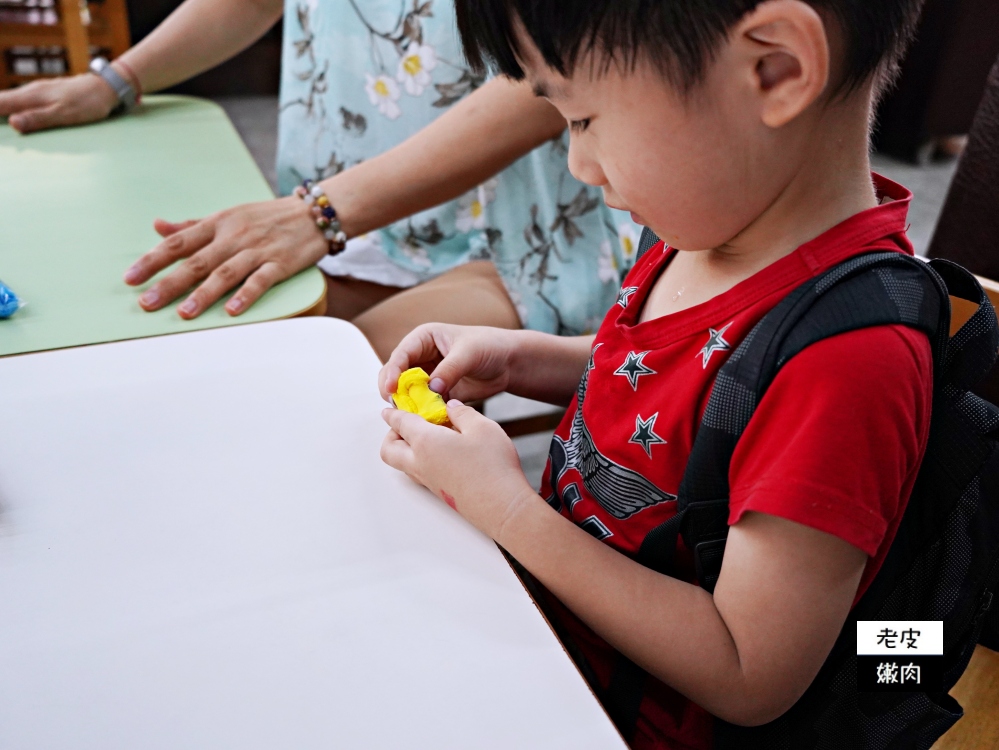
(624, 296)
(716, 343)
(645, 435)
(633, 368)
(591, 365)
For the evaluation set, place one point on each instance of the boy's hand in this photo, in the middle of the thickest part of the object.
(474, 467)
(253, 246)
(464, 362)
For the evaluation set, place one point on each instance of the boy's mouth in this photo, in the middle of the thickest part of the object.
(634, 217)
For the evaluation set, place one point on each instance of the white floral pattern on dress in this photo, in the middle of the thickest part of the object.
(361, 76)
(607, 263)
(415, 66)
(472, 207)
(383, 93)
(417, 254)
(630, 237)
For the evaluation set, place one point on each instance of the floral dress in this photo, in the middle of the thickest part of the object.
(361, 76)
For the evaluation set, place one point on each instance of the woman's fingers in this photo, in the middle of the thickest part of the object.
(27, 108)
(57, 115)
(21, 99)
(57, 102)
(259, 282)
(166, 228)
(225, 277)
(173, 248)
(262, 243)
(186, 276)
(32, 120)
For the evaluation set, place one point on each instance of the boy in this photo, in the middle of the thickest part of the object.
(738, 131)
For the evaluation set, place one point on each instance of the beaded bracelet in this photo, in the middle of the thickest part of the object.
(326, 219)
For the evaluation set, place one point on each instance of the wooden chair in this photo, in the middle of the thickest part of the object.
(82, 27)
(968, 233)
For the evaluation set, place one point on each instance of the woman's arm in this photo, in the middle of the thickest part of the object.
(258, 245)
(197, 36)
(503, 120)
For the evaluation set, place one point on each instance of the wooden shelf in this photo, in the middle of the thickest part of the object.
(108, 29)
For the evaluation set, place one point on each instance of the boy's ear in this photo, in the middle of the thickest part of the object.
(786, 44)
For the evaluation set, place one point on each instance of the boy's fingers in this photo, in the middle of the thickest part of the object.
(411, 427)
(416, 347)
(389, 374)
(461, 416)
(396, 453)
(458, 363)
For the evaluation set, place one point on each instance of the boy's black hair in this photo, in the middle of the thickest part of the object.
(680, 37)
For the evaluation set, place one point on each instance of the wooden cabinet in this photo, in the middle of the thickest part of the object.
(42, 38)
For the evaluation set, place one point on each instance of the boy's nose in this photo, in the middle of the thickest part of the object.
(584, 167)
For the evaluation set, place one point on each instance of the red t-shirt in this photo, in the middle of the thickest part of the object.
(835, 444)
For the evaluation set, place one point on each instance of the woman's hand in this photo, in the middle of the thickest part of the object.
(465, 362)
(256, 245)
(57, 102)
(473, 467)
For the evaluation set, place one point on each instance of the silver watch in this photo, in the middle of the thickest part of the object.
(127, 95)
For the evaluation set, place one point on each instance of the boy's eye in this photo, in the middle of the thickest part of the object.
(578, 126)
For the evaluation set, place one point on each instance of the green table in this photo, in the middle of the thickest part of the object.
(77, 206)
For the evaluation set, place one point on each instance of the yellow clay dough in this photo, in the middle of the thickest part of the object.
(414, 395)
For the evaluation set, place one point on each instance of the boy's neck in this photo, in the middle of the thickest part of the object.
(833, 183)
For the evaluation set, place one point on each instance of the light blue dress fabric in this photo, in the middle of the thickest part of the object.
(359, 77)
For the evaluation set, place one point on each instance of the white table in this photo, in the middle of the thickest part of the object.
(200, 548)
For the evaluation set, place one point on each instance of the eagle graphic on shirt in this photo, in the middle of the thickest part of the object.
(619, 490)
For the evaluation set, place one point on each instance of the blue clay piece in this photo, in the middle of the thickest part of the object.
(9, 303)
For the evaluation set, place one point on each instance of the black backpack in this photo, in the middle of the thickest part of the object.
(944, 561)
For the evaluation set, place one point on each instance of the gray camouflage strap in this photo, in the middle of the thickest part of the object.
(646, 243)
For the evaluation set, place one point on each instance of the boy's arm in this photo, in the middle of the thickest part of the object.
(818, 478)
(548, 368)
(745, 654)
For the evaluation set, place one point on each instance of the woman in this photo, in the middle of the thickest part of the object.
(360, 77)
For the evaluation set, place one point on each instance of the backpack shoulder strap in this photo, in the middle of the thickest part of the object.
(874, 289)
(646, 243)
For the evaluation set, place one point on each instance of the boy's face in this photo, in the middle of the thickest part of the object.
(697, 169)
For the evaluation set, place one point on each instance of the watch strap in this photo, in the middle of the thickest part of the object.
(127, 95)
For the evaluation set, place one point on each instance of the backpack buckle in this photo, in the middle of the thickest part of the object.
(708, 561)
